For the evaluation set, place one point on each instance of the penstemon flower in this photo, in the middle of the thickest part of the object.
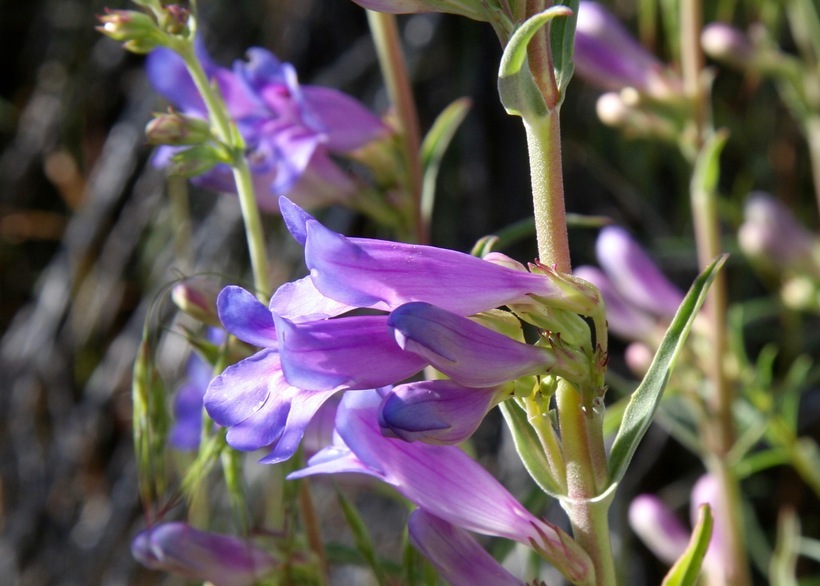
(291, 131)
(417, 300)
(222, 560)
(445, 483)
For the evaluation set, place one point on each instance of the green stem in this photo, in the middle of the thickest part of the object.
(394, 71)
(544, 145)
(227, 134)
(719, 429)
(586, 476)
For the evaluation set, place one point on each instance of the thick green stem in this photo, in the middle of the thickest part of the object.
(544, 145)
(394, 71)
(227, 134)
(586, 476)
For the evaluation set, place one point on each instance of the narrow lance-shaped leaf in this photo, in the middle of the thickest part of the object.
(433, 148)
(686, 570)
(644, 401)
(519, 94)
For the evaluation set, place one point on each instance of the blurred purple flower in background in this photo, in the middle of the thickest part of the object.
(290, 130)
(444, 482)
(187, 428)
(222, 560)
(312, 351)
(608, 56)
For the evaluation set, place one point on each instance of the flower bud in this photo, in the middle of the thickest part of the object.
(197, 160)
(176, 129)
(139, 31)
(726, 43)
(197, 298)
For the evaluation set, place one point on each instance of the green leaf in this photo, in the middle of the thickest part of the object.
(645, 399)
(686, 570)
(361, 535)
(529, 447)
(519, 94)
(562, 42)
(433, 148)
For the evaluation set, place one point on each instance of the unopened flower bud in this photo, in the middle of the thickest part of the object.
(177, 129)
(138, 30)
(197, 298)
(175, 20)
(726, 43)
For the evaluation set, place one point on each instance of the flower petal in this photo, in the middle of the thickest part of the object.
(245, 317)
(467, 352)
(458, 557)
(300, 301)
(242, 389)
(380, 274)
(436, 412)
(346, 123)
(345, 353)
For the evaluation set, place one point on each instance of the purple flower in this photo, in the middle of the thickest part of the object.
(197, 555)
(291, 131)
(608, 56)
(187, 427)
(443, 481)
(458, 557)
(638, 297)
(314, 345)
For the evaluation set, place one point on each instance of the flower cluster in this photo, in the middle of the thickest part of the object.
(373, 313)
(290, 130)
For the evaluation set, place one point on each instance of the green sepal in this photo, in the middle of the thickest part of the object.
(686, 570)
(562, 43)
(644, 401)
(433, 148)
(516, 86)
(529, 447)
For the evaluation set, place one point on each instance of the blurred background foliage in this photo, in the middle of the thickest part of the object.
(89, 239)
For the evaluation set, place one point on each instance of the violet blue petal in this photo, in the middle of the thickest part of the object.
(345, 353)
(242, 389)
(223, 560)
(623, 318)
(347, 124)
(443, 480)
(381, 274)
(300, 301)
(634, 274)
(167, 73)
(658, 527)
(244, 316)
(465, 351)
(187, 428)
(436, 412)
(457, 556)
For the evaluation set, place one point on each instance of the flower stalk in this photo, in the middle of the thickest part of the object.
(394, 71)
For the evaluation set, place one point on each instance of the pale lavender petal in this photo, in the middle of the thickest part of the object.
(246, 317)
(380, 274)
(300, 301)
(242, 389)
(467, 352)
(772, 234)
(634, 274)
(436, 412)
(345, 353)
(623, 318)
(223, 560)
(347, 124)
(457, 556)
(658, 527)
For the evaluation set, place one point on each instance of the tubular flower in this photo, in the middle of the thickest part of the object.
(418, 299)
(608, 56)
(222, 560)
(443, 482)
(290, 130)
